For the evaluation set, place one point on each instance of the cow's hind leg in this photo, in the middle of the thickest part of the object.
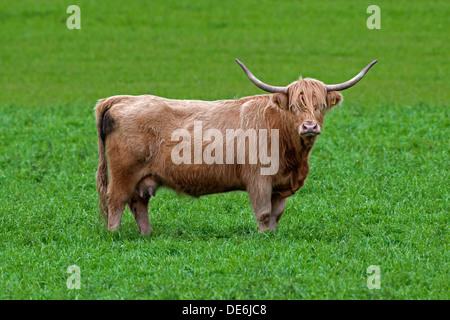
(120, 191)
(139, 207)
(278, 206)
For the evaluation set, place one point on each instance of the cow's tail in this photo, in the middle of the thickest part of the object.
(103, 127)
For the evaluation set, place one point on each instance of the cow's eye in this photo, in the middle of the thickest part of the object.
(319, 107)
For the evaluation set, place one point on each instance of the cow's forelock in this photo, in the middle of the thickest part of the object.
(307, 97)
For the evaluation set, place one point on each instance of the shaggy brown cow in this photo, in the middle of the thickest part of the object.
(138, 132)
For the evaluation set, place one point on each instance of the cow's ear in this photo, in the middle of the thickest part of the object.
(281, 100)
(333, 98)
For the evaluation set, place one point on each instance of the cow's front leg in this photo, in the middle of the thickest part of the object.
(260, 194)
(278, 206)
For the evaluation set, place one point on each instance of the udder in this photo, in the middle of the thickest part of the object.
(146, 188)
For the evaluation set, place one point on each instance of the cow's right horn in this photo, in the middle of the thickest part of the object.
(259, 83)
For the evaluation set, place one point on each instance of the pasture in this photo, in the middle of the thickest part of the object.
(377, 192)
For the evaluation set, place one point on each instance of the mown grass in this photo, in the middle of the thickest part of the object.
(377, 193)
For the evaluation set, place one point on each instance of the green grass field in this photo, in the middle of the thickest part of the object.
(378, 189)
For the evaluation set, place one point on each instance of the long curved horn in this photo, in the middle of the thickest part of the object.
(259, 83)
(351, 82)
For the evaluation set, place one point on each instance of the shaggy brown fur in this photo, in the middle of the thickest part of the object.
(134, 142)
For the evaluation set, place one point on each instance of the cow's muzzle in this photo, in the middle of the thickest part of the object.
(310, 129)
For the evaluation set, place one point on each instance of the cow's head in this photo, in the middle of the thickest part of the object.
(308, 99)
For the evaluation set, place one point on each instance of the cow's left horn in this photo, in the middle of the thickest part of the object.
(351, 82)
(259, 83)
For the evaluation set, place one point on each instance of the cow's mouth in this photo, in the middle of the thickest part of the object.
(309, 134)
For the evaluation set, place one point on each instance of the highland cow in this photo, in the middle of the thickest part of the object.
(137, 145)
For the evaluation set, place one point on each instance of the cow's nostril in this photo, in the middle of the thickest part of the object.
(310, 127)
